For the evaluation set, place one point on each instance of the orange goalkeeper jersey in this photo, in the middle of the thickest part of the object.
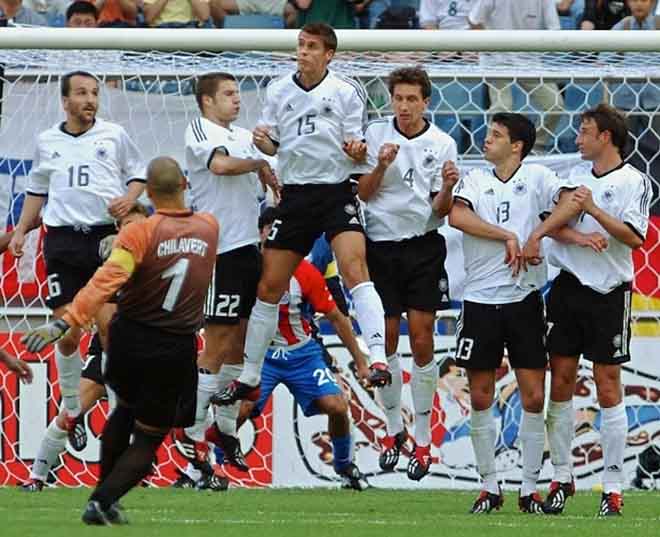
(161, 267)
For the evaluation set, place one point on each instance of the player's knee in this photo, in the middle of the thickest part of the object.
(270, 290)
(354, 271)
(421, 345)
(335, 405)
(533, 401)
(608, 389)
(481, 397)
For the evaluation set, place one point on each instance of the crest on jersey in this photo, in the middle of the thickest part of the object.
(520, 189)
(326, 107)
(429, 159)
(607, 196)
(616, 341)
(443, 285)
(101, 152)
(350, 209)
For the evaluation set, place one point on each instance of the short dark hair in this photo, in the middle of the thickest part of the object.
(208, 85)
(521, 129)
(81, 7)
(66, 80)
(268, 216)
(608, 118)
(410, 75)
(325, 31)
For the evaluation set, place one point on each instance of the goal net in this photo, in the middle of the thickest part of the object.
(151, 95)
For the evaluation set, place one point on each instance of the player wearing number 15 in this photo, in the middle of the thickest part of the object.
(406, 197)
(313, 120)
(91, 172)
(163, 266)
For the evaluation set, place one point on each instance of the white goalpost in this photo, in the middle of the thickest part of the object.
(147, 80)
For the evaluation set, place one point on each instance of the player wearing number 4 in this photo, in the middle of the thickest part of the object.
(497, 209)
(406, 198)
(163, 266)
(224, 169)
(313, 120)
(91, 172)
(589, 303)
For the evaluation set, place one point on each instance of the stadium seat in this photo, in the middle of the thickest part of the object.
(254, 21)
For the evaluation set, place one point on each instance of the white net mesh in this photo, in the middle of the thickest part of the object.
(150, 94)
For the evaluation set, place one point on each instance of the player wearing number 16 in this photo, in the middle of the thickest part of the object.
(163, 266)
(92, 173)
(406, 196)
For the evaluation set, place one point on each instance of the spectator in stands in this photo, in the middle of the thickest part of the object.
(570, 13)
(281, 8)
(340, 14)
(13, 12)
(603, 14)
(176, 13)
(82, 14)
(117, 13)
(445, 14)
(641, 100)
(522, 15)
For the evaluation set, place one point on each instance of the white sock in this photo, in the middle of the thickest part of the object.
(561, 429)
(112, 396)
(613, 431)
(532, 440)
(226, 416)
(207, 385)
(192, 472)
(371, 318)
(423, 385)
(68, 374)
(52, 444)
(483, 434)
(390, 397)
(260, 331)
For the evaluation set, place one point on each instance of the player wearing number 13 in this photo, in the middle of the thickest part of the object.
(162, 267)
(497, 209)
(91, 172)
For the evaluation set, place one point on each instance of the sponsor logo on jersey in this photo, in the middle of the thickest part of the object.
(489, 192)
(520, 189)
(55, 155)
(289, 107)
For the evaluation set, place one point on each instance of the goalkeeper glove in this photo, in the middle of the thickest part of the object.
(37, 339)
(105, 247)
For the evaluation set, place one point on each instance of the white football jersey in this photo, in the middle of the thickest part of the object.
(82, 174)
(624, 193)
(445, 14)
(232, 199)
(515, 205)
(401, 207)
(311, 126)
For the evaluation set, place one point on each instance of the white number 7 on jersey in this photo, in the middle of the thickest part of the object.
(178, 274)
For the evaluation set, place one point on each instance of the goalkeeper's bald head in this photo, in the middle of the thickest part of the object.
(165, 181)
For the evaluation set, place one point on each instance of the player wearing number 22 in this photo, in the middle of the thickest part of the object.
(161, 267)
(313, 120)
(497, 209)
(406, 197)
(91, 172)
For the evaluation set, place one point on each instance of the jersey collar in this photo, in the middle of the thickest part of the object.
(175, 212)
(427, 126)
(608, 172)
(296, 80)
(63, 129)
(512, 175)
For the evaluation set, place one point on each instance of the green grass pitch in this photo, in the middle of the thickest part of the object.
(317, 513)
